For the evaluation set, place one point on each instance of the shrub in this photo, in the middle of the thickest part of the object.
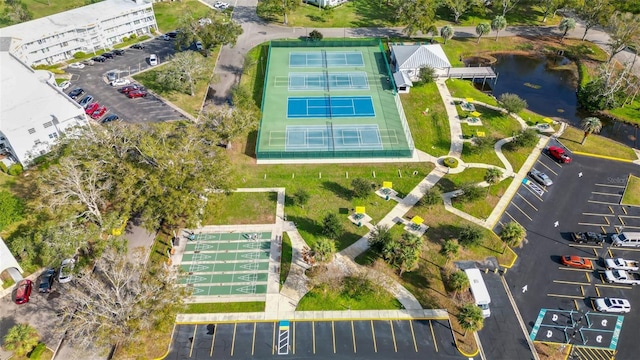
(451, 162)
(15, 169)
(470, 235)
(315, 35)
(526, 138)
(11, 209)
(126, 38)
(3, 167)
(301, 197)
(357, 287)
(361, 187)
(433, 196)
(133, 36)
(427, 74)
(512, 102)
(79, 55)
(470, 192)
(450, 248)
(324, 249)
(37, 352)
(331, 226)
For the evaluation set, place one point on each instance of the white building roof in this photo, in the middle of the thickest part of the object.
(57, 23)
(417, 56)
(402, 79)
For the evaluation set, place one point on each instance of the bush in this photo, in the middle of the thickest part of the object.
(433, 196)
(133, 36)
(427, 74)
(301, 197)
(15, 169)
(451, 162)
(482, 144)
(361, 187)
(526, 138)
(79, 55)
(124, 39)
(315, 35)
(512, 102)
(11, 209)
(3, 167)
(357, 287)
(470, 235)
(470, 192)
(331, 226)
(37, 352)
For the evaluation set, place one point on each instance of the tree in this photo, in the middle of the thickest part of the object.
(550, 7)
(450, 248)
(482, 29)
(403, 253)
(470, 192)
(16, 12)
(624, 29)
(470, 317)
(361, 187)
(11, 209)
(497, 24)
(21, 339)
(459, 7)
(513, 103)
(301, 197)
(427, 74)
(182, 73)
(221, 31)
(457, 281)
(231, 123)
(378, 237)
(315, 35)
(508, 5)
(565, 26)
(590, 126)
(323, 249)
(419, 15)
(512, 233)
(432, 196)
(277, 7)
(525, 138)
(331, 226)
(470, 235)
(447, 33)
(120, 302)
(594, 13)
(492, 176)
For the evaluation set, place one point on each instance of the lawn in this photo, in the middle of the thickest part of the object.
(525, 13)
(240, 208)
(41, 8)
(168, 14)
(286, 258)
(186, 102)
(632, 192)
(596, 145)
(356, 13)
(430, 131)
(351, 293)
(465, 89)
(630, 113)
(225, 307)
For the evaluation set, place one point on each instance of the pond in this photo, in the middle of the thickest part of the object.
(549, 86)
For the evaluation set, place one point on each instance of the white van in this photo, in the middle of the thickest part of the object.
(626, 239)
(479, 291)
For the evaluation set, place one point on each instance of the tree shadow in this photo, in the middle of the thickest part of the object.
(250, 146)
(306, 224)
(338, 190)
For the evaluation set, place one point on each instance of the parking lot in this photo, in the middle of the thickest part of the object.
(148, 109)
(585, 196)
(348, 339)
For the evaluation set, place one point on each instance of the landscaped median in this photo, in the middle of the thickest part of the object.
(596, 145)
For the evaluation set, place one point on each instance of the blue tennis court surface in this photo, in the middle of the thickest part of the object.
(329, 107)
(325, 58)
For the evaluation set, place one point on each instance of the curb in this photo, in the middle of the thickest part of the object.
(469, 356)
(602, 156)
(170, 343)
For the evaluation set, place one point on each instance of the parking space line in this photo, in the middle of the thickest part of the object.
(522, 211)
(193, 339)
(602, 202)
(627, 249)
(595, 252)
(604, 193)
(333, 336)
(527, 201)
(592, 224)
(293, 334)
(566, 296)
(615, 286)
(570, 282)
(572, 269)
(581, 291)
(631, 227)
(597, 214)
(413, 335)
(588, 278)
(575, 303)
(373, 334)
(433, 335)
(313, 335)
(253, 342)
(213, 340)
(273, 341)
(509, 215)
(534, 193)
(353, 336)
(393, 336)
(548, 168)
(608, 185)
(585, 246)
(233, 339)
(597, 291)
(629, 216)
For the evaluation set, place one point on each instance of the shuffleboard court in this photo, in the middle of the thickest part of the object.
(226, 256)
(232, 236)
(222, 278)
(324, 58)
(228, 290)
(329, 107)
(238, 267)
(228, 246)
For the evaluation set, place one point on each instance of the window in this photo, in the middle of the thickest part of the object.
(53, 135)
(32, 131)
(47, 124)
(37, 142)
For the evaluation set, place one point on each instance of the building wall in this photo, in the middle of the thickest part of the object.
(324, 3)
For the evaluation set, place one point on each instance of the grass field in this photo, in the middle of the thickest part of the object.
(42, 8)
(350, 294)
(630, 113)
(431, 130)
(240, 208)
(632, 192)
(595, 144)
(286, 258)
(168, 14)
(229, 307)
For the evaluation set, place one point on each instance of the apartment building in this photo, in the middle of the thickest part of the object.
(87, 29)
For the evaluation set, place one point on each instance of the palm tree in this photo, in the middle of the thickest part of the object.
(21, 339)
(324, 249)
(470, 317)
(458, 281)
(512, 233)
(498, 23)
(447, 33)
(492, 177)
(565, 26)
(590, 126)
(482, 29)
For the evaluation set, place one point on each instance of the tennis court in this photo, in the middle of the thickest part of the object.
(226, 264)
(349, 108)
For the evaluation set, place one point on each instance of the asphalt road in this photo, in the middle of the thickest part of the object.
(584, 197)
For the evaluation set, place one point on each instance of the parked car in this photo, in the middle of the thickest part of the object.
(46, 282)
(576, 262)
(204, 21)
(199, 45)
(23, 291)
(88, 62)
(91, 108)
(98, 113)
(120, 82)
(558, 154)
(99, 59)
(137, 94)
(138, 46)
(128, 88)
(86, 101)
(587, 237)
(66, 269)
(165, 37)
(621, 264)
(64, 85)
(111, 75)
(612, 305)
(77, 65)
(153, 59)
(110, 118)
(118, 52)
(622, 277)
(540, 177)
(75, 93)
(172, 34)
(108, 55)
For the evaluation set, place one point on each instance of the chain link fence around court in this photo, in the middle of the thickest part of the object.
(334, 116)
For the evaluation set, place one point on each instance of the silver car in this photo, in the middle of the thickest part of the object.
(64, 275)
(540, 177)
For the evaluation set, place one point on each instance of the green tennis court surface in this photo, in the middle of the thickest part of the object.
(350, 108)
(226, 263)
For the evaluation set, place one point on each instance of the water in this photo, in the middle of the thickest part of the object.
(551, 92)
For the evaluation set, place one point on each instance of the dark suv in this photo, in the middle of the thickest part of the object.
(46, 283)
(118, 52)
(587, 237)
(108, 55)
(99, 59)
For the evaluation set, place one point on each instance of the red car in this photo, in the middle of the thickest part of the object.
(91, 108)
(576, 262)
(136, 94)
(23, 291)
(559, 154)
(98, 112)
(129, 88)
